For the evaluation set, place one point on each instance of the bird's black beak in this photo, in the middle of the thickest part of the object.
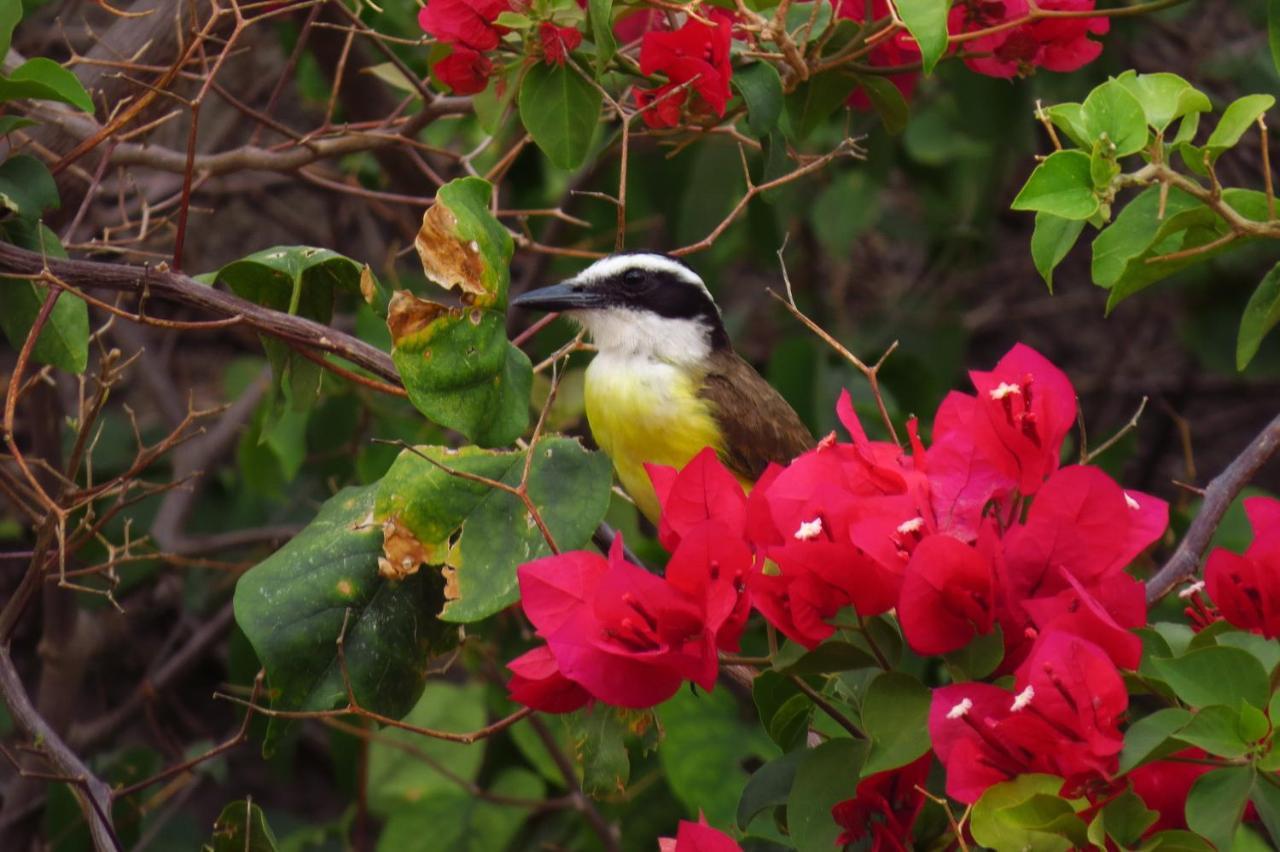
(569, 296)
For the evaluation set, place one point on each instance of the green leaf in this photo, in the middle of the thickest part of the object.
(64, 341)
(761, 90)
(480, 534)
(769, 787)
(784, 710)
(831, 656)
(599, 736)
(26, 187)
(1236, 119)
(600, 15)
(10, 123)
(1265, 796)
(43, 79)
(1027, 813)
(1125, 818)
(403, 765)
(1069, 118)
(10, 14)
(1111, 114)
(1144, 739)
(1260, 316)
(703, 751)
(457, 821)
(1134, 232)
(1266, 651)
(895, 716)
(1051, 240)
(814, 100)
(1217, 675)
(926, 20)
(1216, 803)
(242, 827)
(456, 363)
(1062, 186)
(888, 101)
(292, 606)
(826, 776)
(1216, 730)
(1164, 97)
(1273, 39)
(299, 280)
(560, 110)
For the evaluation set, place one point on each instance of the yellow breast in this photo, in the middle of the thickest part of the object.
(642, 410)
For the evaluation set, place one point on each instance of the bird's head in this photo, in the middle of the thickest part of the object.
(638, 304)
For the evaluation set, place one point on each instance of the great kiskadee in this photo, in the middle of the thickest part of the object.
(665, 382)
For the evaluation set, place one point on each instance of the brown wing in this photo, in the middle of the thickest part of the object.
(758, 425)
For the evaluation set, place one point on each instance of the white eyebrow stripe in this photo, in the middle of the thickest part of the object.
(608, 267)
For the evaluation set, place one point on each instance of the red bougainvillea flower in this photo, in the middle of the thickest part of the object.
(701, 491)
(697, 54)
(668, 105)
(1246, 588)
(948, 595)
(464, 22)
(899, 49)
(537, 682)
(698, 837)
(625, 636)
(885, 806)
(1058, 44)
(1061, 719)
(557, 42)
(464, 71)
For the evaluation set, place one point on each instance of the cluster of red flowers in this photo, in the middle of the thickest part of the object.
(1246, 588)
(469, 28)
(1058, 44)
(695, 57)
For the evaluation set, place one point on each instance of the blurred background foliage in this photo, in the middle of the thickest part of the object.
(914, 243)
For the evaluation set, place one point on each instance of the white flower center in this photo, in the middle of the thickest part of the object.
(1004, 389)
(960, 709)
(1023, 698)
(911, 526)
(1186, 593)
(1130, 502)
(809, 529)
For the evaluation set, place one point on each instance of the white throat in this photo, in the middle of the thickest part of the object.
(625, 334)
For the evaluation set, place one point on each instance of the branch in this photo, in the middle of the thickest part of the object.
(1217, 498)
(175, 287)
(93, 793)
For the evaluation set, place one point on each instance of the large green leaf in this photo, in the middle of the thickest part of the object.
(43, 79)
(457, 821)
(292, 607)
(703, 751)
(456, 362)
(887, 100)
(769, 787)
(1216, 675)
(560, 110)
(242, 827)
(895, 715)
(1237, 118)
(1216, 729)
(26, 187)
(299, 280)
(1147, 738)
(478, 533)
(405, 767)
(1062, 185)
(10, 14)
(826, 776)
(761, 90)
(64, 341)
(1216, 803)
(926, 20)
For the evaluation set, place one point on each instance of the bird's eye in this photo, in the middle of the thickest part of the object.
(633, 277)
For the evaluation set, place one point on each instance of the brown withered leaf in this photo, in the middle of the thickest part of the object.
(446, 259)
(402, 553)
(406, 314)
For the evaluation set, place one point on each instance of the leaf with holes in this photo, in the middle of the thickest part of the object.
(292, 607)
(431, 513)
(456, 362)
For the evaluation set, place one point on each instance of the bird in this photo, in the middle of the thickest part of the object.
(665, 382)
